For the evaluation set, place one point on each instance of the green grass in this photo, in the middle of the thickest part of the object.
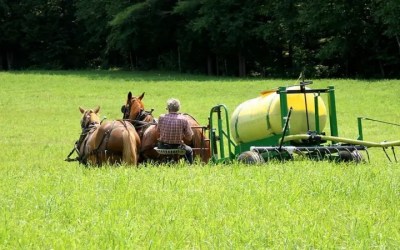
(48, 203)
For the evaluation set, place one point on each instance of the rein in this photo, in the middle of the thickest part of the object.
(85, 132)
(138, 122)
(141, 123)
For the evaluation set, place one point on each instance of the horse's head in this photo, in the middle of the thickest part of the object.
(133, 108)
(90, 117)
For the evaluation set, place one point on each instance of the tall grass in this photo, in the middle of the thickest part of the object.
(48, 203)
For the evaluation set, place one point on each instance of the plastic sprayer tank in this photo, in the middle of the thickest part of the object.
(260, 118)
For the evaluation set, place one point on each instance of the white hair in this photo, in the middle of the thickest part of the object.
(173, 105)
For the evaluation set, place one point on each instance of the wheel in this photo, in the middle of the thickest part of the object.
(250, 157)
(347, 156)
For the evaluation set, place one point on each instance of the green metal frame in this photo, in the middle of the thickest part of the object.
(332, 111)
(360, 126)
(360, 129)
(220, 138)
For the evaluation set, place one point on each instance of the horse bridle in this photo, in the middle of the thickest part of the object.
(85, 125)
(87, 128)
(141, 115)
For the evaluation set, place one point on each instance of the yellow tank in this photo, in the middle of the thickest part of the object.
(260, 118)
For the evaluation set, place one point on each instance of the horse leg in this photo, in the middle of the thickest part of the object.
(150, 154)
(90, 149)
(149, 141)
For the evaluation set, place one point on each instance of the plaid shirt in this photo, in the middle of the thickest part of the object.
(173, 127)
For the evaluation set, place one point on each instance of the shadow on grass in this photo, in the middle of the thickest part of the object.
(155, 76)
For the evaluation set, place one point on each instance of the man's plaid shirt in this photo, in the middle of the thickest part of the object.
(173, 127)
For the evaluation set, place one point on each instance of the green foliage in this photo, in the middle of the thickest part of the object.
(341, 32)
(92, 17)
(224, 37)
(388, 13)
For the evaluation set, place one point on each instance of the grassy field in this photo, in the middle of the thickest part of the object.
(47, 203)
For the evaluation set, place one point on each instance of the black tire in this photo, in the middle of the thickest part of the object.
(250, 157)
(347, 156)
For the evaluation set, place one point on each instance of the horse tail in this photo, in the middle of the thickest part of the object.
(129, 151)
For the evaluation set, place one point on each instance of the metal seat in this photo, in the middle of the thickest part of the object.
(170, 155)
(173, 151)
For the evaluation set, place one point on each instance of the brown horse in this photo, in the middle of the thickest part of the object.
(146, 126)
(108, 142)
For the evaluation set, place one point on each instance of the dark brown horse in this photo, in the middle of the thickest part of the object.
(146, 126)
(109, 142)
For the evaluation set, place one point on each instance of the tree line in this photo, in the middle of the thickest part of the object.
(322, 38)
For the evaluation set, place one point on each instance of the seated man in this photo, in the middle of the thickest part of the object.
(173, 129)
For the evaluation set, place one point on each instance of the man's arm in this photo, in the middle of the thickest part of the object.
(188, 132)
(160, 121)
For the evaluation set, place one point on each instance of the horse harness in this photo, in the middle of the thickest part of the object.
(105, 140)
(138, 122)
(84, 137)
